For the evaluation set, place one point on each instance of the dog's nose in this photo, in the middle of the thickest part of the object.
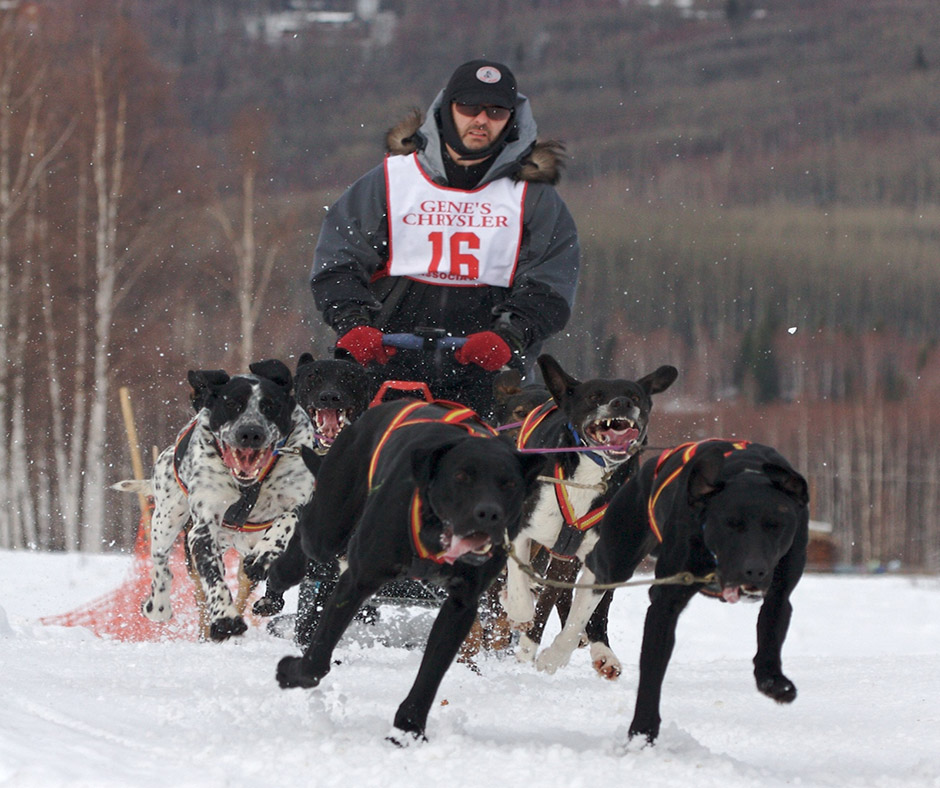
(488, 513)
(328, 399)
(755, 574)
(250, 436)
(619, 403)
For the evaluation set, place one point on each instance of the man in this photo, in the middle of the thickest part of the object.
(460, 230)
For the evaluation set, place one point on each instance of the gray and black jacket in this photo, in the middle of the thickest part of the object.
(353, 248)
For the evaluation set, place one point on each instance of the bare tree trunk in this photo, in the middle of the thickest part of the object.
(246, 269)
(6, 88)
(879, 483)
(19, 173)
(108, 191)
(250, 286)
(72, 500)
(862, 481)
(23, 514)
(846, 510)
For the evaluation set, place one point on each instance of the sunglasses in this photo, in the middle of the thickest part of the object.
(472, 110)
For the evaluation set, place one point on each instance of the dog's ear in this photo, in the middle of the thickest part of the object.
(305, 358)
(559, 383)
(660, 380)
(205, 384)
(704, 473)
(274, 370)
(424, 460)
(789, 481)
(506, 383)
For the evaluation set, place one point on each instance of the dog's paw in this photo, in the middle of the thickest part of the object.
(268, 606)
(525, 649)
(224, 628)
(519, 607)
(605, 661)
(291, 672)
(551, 659)
(256, 568)
(405, 739)
(155, 611)
(640, 738)
(779, 687)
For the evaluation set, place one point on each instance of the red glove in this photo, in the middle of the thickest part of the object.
(364, 344)
(485, 349)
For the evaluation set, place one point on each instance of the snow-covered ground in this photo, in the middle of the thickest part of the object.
(79, 710)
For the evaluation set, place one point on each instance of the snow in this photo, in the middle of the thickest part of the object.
(78, 710)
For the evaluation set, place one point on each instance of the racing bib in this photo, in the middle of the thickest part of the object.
(446, 236)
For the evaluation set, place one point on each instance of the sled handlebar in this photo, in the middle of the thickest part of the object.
(423, 341)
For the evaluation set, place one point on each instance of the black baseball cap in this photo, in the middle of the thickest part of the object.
(482, 82)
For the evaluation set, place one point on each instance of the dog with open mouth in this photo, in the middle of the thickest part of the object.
(734, 515)
(590, 434)
(236, 473)
(333, 392)
(420, 490)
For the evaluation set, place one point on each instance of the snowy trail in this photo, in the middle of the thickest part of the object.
(82, 711)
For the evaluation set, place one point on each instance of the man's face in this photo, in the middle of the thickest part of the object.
(478, 131)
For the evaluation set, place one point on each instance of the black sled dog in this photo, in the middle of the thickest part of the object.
(734, 516)
(333, 393)
(411, 489)
(592, 432)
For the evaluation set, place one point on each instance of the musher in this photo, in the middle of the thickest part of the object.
(459, 232)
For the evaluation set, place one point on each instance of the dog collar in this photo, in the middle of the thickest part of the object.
(593, 455)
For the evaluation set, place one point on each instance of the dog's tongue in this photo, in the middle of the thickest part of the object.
(466, 544)
(731, 594)
(328, 423)
(625, 438)
(245, 463)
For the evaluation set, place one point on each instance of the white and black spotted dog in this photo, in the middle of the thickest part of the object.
(592, 433)
(235, 470)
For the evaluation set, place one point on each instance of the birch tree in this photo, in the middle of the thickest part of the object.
(107, 164)
(23, 159)
(250, 284)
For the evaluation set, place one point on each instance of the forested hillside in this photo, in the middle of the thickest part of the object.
(757, 187)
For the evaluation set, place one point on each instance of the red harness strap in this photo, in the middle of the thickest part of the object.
(401, 385)
(182, 441)
(566, 539)
(456, 414)
(574, 528)
(416, 512)
(584, 522)
(688, 451)
(535, 417)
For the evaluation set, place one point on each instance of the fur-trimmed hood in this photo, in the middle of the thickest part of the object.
(524, 158)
